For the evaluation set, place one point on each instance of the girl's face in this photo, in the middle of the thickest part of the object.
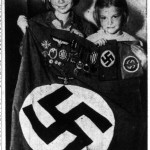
(61, 6)
(110, 19)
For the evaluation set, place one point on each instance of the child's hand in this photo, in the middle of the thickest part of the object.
(94, 38)
(101, 42)
(22, 23)
(139, 52)
(75, 31)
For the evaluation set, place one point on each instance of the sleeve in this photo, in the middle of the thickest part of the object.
(139, 51)
(21, 45)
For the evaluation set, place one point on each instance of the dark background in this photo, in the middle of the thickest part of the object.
(14, 8)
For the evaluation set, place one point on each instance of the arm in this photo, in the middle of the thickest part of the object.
(140, 53)
(77, 32)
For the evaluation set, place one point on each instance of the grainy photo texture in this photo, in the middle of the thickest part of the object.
(76, 74)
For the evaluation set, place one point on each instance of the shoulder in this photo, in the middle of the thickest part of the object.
(128, 37)
(41, 18)
(93, 37)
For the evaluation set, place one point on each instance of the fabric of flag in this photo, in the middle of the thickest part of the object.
(59, 106)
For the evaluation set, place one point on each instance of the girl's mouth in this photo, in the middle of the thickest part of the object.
(110, 27)
(62, 7)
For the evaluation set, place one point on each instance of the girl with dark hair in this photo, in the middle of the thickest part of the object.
(60, 15)
(110, 16)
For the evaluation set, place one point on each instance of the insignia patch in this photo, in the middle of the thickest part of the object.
(107, 58)
(63, 54)
(130, 64)
(52, 53)
(59, 117)
(45, 44)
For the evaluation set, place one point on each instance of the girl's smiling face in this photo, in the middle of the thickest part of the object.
(110, 20)
(61, 6)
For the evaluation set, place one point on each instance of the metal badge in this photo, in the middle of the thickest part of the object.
(56, 62)
(59, 64)
(60, 42)
(79, 65)
(107, 58)
(74, 44)
(51, 61)
(52, 53)
(63, 54)
(45, 44)
(45, 53)
(93, 57)
(131, 64)
(65, 79)
(86, 68)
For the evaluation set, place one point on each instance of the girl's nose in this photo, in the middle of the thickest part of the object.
(61, 1)
(110, 21)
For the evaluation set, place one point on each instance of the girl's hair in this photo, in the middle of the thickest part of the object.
(49, 6)
(121, 5)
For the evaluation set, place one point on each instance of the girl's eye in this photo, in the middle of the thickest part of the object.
(115, 16)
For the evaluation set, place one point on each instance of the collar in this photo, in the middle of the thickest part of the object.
(51, 17)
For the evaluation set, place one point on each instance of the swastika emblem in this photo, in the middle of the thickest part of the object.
(107, 58)
(64, 118)
(131, 64)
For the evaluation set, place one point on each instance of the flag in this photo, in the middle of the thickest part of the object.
(61, 104)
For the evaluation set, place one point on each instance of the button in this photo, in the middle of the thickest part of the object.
(59, 63)
(51, 61)
(56, 62)
(86, 68)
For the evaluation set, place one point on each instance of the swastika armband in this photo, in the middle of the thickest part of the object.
(117, 61)
(130, 64)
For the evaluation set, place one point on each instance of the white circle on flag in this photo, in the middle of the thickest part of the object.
(101, 140)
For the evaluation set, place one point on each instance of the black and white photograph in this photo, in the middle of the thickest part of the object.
(74, 75)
